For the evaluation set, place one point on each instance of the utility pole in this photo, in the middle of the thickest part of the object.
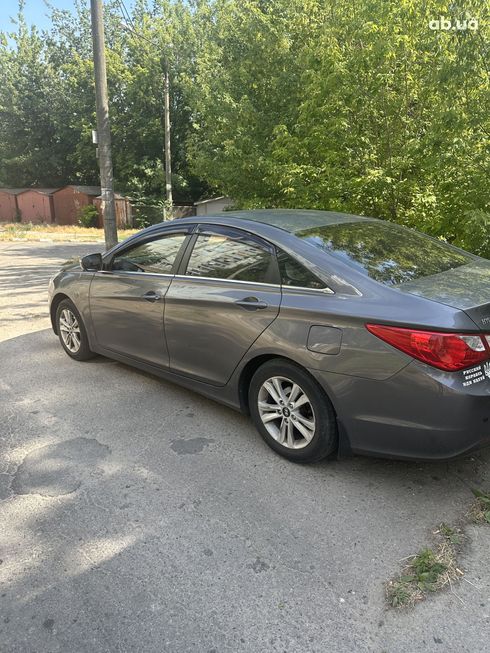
(103, 125)
(168, 158)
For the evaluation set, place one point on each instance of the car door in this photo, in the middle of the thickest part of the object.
(127, 298)
(226, 293)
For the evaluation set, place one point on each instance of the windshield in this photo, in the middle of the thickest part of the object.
(386, 252)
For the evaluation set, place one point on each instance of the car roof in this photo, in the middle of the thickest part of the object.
(290, 220)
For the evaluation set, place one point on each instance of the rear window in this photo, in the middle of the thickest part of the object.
(386, 252)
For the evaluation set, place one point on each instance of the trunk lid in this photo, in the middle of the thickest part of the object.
(466, 288)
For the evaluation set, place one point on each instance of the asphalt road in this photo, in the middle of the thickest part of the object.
(138, 516)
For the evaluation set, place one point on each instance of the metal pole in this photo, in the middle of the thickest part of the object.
(168, 158)
(103, 125)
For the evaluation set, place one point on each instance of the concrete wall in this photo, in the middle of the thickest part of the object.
(213, 206)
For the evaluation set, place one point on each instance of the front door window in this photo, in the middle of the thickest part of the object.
(154, 257)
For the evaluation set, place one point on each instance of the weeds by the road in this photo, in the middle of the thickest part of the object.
(428, 571)
(435, 568)
(480, 510)
(53, 232)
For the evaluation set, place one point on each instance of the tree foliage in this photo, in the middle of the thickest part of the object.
(351, 105)
(47, 98)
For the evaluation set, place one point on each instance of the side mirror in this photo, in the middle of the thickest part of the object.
(91, 262)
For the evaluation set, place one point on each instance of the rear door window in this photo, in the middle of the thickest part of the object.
(233, 256)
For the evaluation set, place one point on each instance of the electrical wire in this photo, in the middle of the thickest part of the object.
(131, 26)
(125, 14)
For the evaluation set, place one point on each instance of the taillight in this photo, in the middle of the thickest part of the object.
(447, 351)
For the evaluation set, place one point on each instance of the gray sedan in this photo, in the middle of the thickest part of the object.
(336, 333)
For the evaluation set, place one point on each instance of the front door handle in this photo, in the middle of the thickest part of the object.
(152, 296)
(251, 303)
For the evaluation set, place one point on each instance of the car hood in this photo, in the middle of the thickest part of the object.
(466, 288)
(70, 264)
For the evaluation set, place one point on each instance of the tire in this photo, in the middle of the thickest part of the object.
(75, 345)
(303, 430)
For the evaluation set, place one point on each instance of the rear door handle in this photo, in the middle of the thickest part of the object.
(151, 296)
(251, 303)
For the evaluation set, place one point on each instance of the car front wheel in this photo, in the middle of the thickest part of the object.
(292, 412)
(71, 331)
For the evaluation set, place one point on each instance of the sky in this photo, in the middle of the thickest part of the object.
(35, 12)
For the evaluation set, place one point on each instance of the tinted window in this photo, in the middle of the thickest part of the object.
(295, 274)
(386, 252)
(221, 257)
(156, 256)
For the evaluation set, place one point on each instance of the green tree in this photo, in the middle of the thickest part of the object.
(248, 81)
(47, 100)
(30, 152)
(353, 105)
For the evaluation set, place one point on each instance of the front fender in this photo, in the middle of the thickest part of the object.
(74, 285)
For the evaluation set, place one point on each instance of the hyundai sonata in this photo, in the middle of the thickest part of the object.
(336, 333)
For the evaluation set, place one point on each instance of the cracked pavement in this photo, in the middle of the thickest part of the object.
(138, 516)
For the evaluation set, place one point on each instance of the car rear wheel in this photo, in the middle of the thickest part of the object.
(71, 331)
(292, 412)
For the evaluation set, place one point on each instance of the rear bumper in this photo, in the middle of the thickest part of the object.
(418, 414)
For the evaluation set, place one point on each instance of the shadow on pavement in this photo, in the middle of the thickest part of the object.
(117, 538)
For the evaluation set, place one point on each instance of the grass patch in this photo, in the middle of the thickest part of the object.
(428, 571)
(480, 510)
(435, 568)
(36, 232)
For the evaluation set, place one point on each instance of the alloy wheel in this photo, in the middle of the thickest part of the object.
(286, 412)
(70, 330)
